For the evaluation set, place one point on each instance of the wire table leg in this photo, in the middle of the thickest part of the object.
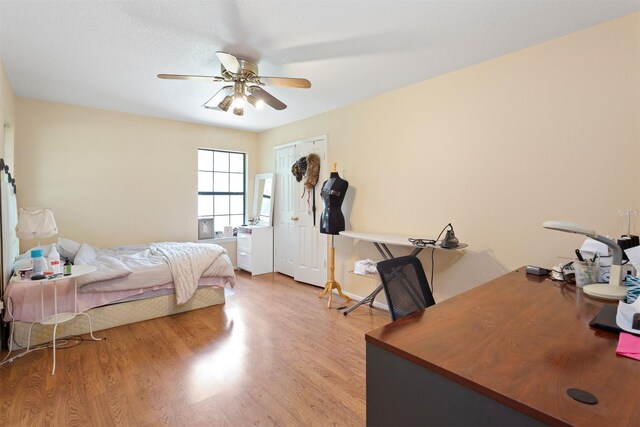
(90, 327)
(55, 327)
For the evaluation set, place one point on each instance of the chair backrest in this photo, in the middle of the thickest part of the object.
(405, 286)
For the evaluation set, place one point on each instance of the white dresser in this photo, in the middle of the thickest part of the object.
(255, 248)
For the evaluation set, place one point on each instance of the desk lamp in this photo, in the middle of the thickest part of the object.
(614, 290)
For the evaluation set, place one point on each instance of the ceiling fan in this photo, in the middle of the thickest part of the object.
(246, 87)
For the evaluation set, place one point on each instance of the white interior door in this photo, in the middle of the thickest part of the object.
(284, 237)
(300, 250)
(311, 246)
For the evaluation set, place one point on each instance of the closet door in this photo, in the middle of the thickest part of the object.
(311, 246)
(300, 250)
(284, 237)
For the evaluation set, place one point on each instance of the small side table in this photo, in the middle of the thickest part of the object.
(56, 318)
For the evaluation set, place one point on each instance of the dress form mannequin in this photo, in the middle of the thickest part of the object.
(332, 222)
(333, 192)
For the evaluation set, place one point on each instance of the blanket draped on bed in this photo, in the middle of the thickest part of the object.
(187, 261)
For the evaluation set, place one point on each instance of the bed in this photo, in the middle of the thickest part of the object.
(131, 283)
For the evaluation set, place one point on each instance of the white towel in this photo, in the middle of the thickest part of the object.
(365, 266)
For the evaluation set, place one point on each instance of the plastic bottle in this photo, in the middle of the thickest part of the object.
(67, 267)
(39, 264)
(54, 261)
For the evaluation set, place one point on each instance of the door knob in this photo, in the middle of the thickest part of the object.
(294, 218)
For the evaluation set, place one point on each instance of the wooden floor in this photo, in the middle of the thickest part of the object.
(272, 355)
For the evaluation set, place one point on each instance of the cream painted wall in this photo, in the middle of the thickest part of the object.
(7, 118)
(548, 132)
(115, 178)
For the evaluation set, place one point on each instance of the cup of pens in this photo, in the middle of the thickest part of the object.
(587, 271)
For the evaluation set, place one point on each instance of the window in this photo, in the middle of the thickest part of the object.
(221, 191)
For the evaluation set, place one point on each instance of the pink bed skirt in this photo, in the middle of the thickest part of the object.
(24, 303)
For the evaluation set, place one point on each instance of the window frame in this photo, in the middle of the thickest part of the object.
(214, 193)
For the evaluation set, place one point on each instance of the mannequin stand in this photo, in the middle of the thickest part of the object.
(331, 283)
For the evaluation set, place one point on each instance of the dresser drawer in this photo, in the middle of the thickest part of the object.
(255, 249)
(243, 242)
(244, 260)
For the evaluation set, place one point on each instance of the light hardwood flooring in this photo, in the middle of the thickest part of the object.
(272, 355)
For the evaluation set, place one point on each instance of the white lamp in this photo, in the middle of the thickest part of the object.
(35, 223)
(615, 290)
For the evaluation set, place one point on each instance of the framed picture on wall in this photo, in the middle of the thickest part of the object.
(205, 228)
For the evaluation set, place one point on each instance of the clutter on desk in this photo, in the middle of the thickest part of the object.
(606, 319)
(628, 316)
(592, 249)
(563, 273)
(537, 271)
(629, 346)
(628, 240)
(614, 289)
(364, 267)
(587, 271)
(633, 288)
(634, 256)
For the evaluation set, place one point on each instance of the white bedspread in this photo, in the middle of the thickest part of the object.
(151, 269)
(187, 262)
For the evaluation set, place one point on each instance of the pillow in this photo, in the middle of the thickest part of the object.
(86, 255)
(67, 248)
(45, 251)
(21, 263)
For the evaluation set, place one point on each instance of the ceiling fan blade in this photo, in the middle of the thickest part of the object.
(229, 62)
(212, 103)
(285, 81)
(190, 77)
(268, 99)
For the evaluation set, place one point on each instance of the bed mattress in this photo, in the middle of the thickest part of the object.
(118, 314)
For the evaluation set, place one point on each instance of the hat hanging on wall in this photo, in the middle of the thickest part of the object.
(308, 168)
(313, 171)
(311, 179)
(299, 168)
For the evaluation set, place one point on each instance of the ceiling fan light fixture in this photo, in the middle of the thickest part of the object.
(255, 101)
(238, 101)
(225, 103)
(243, 74)
(238, 95)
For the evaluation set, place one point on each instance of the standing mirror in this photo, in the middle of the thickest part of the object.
(262, 199)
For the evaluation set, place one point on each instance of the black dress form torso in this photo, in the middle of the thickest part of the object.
(333, 192)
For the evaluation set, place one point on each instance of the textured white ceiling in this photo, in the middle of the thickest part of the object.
(106, 54)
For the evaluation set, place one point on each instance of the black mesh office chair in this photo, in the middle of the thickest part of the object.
(405, 286)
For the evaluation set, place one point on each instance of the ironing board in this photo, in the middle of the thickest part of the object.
(380, 241)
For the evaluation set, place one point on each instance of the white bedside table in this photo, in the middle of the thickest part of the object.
(56, 318)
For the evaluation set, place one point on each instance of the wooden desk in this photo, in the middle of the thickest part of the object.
(503, 353)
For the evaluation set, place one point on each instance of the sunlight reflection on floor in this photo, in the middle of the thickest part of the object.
(222, 366)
